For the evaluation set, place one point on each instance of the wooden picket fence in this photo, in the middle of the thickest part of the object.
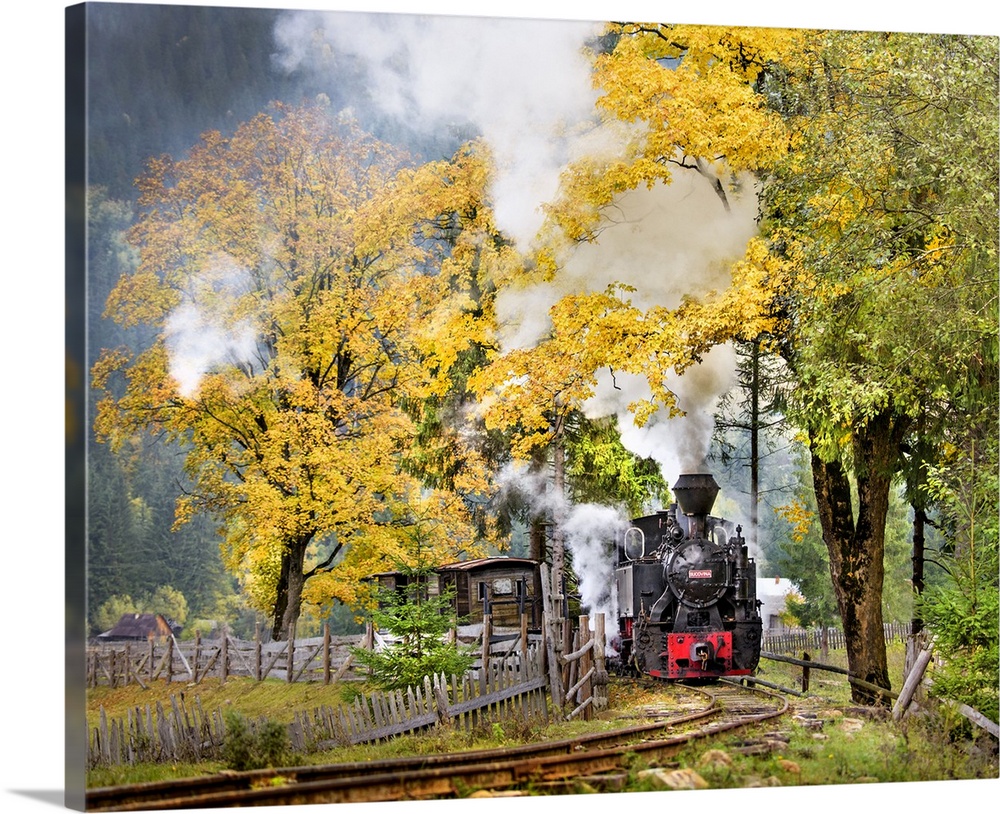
(516, 674)
(515, 686)
(793, 641)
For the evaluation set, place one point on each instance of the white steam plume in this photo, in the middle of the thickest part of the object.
(590, 531)
(523, 84)
(668, 242)
(200, 333)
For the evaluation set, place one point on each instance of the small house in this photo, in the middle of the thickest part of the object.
(771, 593)
(140, 627)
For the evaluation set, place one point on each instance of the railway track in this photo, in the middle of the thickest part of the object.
(533, 769)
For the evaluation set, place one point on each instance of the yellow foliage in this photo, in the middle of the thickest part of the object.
(688, 95)
(799, 516)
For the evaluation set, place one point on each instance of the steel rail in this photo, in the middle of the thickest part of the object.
(448, 775)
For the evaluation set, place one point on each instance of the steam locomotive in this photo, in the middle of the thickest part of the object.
(687, 591)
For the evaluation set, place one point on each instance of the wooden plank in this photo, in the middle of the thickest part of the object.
(274, 659)
(978, 719)
(582, 651)
(475, 704)
(183, 660)
(238, 652)
(326, 653)
(910, 685)
(581, 683)
(582, 708)
(312, 653)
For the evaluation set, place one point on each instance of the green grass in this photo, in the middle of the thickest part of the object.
(827, 741)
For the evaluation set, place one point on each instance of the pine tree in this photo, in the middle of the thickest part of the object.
(417, 620)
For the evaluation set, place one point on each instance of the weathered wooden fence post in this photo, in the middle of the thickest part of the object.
(805, 671)
(549, 633)
(326, 652)
(197, 655)
(369, 640)
(524, 635)
(586, 667)
(911, 683)
(258, 661)
(224, 669)
(566, 647)
(601, 674)
(291, 654)
(484, 670)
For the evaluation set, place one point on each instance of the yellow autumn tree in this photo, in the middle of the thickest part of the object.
(312, 291)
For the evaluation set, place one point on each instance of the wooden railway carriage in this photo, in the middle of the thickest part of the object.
(504, 587)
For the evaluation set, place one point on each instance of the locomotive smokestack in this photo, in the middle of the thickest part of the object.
(696, 494)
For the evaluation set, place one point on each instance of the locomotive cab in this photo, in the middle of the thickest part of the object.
(686, 590)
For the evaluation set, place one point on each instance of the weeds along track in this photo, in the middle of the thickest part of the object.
(685, 714)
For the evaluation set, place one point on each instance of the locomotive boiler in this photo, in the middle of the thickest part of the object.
(686, 590)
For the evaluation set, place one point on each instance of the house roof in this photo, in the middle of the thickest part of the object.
(467, 565)
(487, 562)
(139, 626)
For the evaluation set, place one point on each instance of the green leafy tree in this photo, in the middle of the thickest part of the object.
(884, 212)
(169, 602)
(601, 470)
(962, 611)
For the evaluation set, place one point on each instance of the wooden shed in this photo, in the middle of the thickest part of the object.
(504, 587)
(399, 582)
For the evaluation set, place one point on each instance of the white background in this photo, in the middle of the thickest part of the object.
(31, 451)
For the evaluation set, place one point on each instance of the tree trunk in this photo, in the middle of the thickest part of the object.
(558, 533)
(919, 524)
(537, 547)
(536, 539)
(281, 599)
(857, 548)
(288, 598)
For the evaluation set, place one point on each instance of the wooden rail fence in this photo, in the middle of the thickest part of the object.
(325, 659)
(515, 686)
(516, 674)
